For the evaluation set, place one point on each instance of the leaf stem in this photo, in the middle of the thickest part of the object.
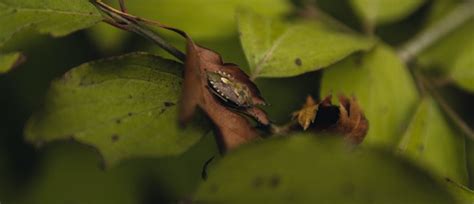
(131, 23)
(457, 17)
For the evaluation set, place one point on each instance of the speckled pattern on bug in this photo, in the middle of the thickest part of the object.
(224, 86)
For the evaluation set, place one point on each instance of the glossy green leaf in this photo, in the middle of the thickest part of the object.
(310, 169)
(383, 87)
(275, 48)
(123, 106)
(463, 68)
(432, 142)
(7, 61)
(384, 11)
(56, 17)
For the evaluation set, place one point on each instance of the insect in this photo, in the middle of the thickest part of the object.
(224, 86)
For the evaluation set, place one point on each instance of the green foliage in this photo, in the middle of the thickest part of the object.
(107, 38)
(124, 106)
(70, 174)
(7, 61)
(208, 22)
(203, 19)
(452, 56)
(384, 11)
(305, 169)
(382, 86)
(280, 49)
(57, 18)
(431, 141)
(463, 68)
(462, 194)
(442, 55)
(178, 177)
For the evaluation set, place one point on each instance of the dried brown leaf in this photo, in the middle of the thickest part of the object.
(352, 122)
(346, 119)
(307, 114)
(232, 128)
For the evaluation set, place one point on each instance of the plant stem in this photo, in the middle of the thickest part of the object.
(118, 19)
(457, 17)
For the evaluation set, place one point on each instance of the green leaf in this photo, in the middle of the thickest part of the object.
(450, 56)
(279, 49)
(463, 68)
(463, 194)
(439, 9)
(168, 179)
(124, 106)
(309, 169)
(441, 55)
(7, 61)
(203, 19)
(383, 87)
(384, 11)
(70, 174)
(432, 142)
(178, 177)
(56, 17)
(108, 38)
(49, 16)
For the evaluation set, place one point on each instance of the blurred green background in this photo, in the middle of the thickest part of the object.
(36, 175)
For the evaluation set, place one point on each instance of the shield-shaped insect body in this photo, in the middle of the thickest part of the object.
(224, 86)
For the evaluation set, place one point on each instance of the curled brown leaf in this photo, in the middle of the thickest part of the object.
(232, 128)
(352, 122)
(307, 114)
(346, 119)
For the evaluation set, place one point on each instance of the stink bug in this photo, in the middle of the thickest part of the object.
(224, 86)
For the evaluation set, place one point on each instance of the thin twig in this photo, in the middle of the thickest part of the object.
(442, 81)
(457, 17)
(131, 23)
(419, 79)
